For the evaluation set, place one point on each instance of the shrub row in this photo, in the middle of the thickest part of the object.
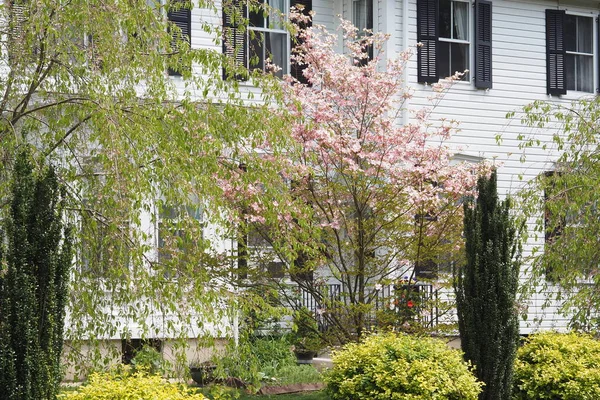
(548, 366)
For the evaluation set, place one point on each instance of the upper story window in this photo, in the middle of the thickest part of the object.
(579, 42)
(446, 41)
(251, 37)
(454, 37)
(179, 17)
(268, 37)
(263, 40)
(362, 18)
(570, 44)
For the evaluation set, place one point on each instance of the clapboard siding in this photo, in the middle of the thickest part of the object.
(519, 77)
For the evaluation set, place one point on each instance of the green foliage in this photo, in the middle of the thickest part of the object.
(272, 353)
(86, 82)
(486, 289)
(562, 207)
(291, 374)
(130, 386)
(306, 337)
(558, 366)
(34, 276)
(148, 359)
(394, 366)
(255, 359)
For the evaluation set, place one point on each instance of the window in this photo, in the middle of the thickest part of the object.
(569, 52)
(444, 32)
(362, 18)
(579, 40)
(179, 17)
(268, 37)
(454, 36)
(176, 233)
(265, 39)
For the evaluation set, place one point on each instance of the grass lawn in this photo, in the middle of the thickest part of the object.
(320, 395)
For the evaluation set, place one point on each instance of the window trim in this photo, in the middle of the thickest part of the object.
(428, 69)
(469, 41)
(595, 55)
(266, 29)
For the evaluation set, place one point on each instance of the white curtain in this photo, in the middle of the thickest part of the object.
(360, 14)
(278, 7)
(461, 14)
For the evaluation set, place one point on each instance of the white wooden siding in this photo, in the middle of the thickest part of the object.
(519, 77)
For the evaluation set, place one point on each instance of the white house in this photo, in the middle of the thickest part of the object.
(516, 52)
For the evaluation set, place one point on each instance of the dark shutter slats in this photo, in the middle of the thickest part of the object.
(427, 35)
(297, 70)
(180, 15)
(555, 53)
(598, 43)
(483, 44)
(234, 35)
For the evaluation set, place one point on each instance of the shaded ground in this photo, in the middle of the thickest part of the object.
(320, 395)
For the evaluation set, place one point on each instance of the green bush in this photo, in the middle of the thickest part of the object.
(558, 366)
(139, 385)
(148, 359)
(391, 366)
(256, 359)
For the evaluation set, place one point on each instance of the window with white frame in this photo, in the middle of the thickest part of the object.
(179, 228)
(570, 52)
(454, 37)
(579, 45)
(362, 18)
(445, 31)
(268, 39)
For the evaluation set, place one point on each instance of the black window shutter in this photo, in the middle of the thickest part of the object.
(427, 35)
(483, 44)
(555, 53)
(296, 70)
(180, 15)
(598, 42)
(235, 39)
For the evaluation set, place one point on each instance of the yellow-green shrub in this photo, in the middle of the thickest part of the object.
(139, 386)
(395, 366)
(558, 366)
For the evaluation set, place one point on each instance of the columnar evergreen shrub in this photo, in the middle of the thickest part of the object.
(395, 366)
(558, 366)
(34, 271)
(486, 290)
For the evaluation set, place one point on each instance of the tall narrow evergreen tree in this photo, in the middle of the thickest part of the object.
(34, 277)
(486, 290)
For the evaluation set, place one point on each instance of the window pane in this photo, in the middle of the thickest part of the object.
(256, 17)
(444, 59)
(276, 46)
(580, 74)
(584, 73)
(459, 58)
(570, 67)
(461, 20)
(445, 17)
(256, 51)
(585, 32)
(570, 32)
(275, 14)
(362, 14)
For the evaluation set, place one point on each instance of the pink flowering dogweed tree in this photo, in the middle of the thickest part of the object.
(362, 198)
